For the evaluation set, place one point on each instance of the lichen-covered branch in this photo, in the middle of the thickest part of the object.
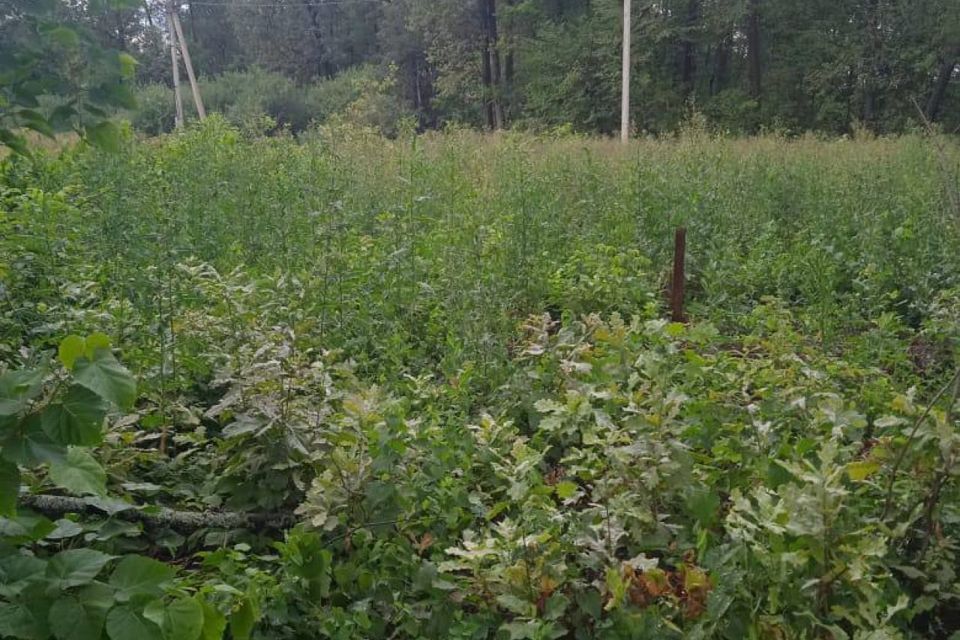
(184, 521)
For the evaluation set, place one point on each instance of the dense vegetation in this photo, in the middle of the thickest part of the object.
(746, 65)
(423, 388)
(371, 382)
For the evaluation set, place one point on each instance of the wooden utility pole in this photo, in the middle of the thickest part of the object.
(185, 50)
(625, 97)
(174, 58)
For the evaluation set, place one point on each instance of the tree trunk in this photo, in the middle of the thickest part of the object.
(944, 75)
(721, 65)
(486, 75)
(871, 63)
(753, 50)
(688, 60)
(509, 67)
(490, 16)
(324, 66)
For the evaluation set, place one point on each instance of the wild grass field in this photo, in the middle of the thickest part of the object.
(439, 372)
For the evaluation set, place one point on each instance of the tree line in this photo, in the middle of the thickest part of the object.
(745, 65)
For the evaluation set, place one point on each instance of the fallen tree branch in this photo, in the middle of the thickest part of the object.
(183, 521)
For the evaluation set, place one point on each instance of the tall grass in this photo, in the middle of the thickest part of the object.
(424, 253)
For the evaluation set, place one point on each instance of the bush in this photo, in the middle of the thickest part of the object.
(246, 98)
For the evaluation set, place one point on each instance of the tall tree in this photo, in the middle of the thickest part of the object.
(754, 53)
(948, 68)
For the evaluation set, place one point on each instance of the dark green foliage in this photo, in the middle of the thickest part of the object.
(745, 65)
(259, 101)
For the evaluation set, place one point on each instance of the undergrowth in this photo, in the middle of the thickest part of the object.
(446, 356)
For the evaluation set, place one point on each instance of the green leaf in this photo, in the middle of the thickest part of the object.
(17, 572)
(29, 446)
(77, 419)
(861, 470)
(183, 620)
(21, 385)
(106, 377)
(566, 489)
(9, 488)
(154, 612)
(242, 620)
(17, 621)
(71, 620)
(105, 135)
(76, 567)
(97, 596)
(93, 343)
(65, 529)
(71, 348)
(214, 622)
(124, 623)
(79, 473)
(14, 142)
(33, 120)
(137, 575)
(128, 64)
(516, 605)
(703, 505)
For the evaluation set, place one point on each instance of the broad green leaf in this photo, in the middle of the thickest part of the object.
(154, 612)
(97, 595)
(35, 122)
(21, 385)
(77, 419)
(107, 378)
(17, 621)
(17, 572)
(182, 620)
(566, 489)
(25, 528)
(9, 488)
(71, 348)
(105, 135)
(29, 446)
(25, 383)
(242, 620)
(862, 469)
(14, 142)
(137, 575)
(124, 623)
(516, 605)
(76, 567)
(65, 529)
(79, 473)
(71, 620)
(93, 343)
(214, 622)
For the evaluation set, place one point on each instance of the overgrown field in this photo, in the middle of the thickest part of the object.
(438, 373)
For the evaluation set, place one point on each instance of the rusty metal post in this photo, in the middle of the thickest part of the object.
(679, 275)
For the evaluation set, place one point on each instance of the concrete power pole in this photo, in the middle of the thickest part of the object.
(625, 93)
(174, 58)
(197, 100)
